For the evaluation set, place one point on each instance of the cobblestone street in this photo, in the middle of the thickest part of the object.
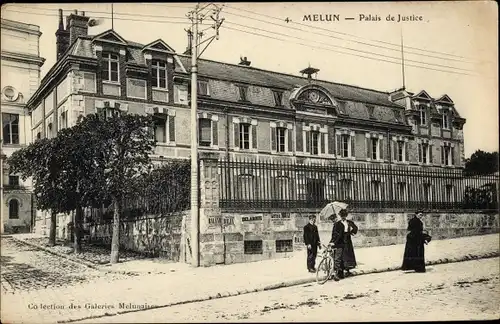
(25, 268)
(456, 291)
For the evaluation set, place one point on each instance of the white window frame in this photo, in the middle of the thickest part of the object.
(159, 65)
(10, 130)
(377, 148)
(349, 153)
(423, 115)
(166, 130)
(249, 125)
(285, 139)
(447, 155)
(446, 120)
(425, 147)
(401, 152)
(211, 132)
(106, 58)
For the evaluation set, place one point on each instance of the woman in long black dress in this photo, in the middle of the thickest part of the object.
(414, 256)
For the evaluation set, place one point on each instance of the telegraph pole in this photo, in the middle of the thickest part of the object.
(196, 16)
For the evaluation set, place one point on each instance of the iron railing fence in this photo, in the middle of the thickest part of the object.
(257, 185)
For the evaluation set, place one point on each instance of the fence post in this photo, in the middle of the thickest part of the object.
(211, 239)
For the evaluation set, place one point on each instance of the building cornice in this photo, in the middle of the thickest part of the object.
(23, 58)
(22, 27)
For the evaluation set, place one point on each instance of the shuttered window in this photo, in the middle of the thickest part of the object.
(205, 131)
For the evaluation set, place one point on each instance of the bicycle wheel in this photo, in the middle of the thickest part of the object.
(324, 270)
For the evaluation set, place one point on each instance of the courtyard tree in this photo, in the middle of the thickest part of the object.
(125, 144)
(42, 161)
(481, 162)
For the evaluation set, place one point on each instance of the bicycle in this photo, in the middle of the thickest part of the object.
(326, 265)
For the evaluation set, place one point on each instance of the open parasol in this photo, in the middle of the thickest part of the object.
(332, 209)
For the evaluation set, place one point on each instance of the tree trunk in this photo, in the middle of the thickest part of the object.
(52, 234)
(115, 242)
(77, 242)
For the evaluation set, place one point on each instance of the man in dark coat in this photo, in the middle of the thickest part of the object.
(344, 258)
(312, 241)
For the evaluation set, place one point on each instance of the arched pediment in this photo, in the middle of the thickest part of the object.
(314, 95)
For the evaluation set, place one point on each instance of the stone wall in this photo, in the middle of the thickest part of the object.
(154, 236)
(375, 229)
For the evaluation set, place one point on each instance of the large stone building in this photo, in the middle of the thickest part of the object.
(247, 112)
(20, 78)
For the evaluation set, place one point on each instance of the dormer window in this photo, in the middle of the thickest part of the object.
(159, 71)
(203, 88)
(243, 92)
(423, 115)
(278, 98)
(446, 120)
(110, 67)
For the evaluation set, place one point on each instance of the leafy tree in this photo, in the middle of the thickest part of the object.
(125, 143)
(482, 162)
(40, 161)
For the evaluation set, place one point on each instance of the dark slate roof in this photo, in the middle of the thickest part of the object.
(251, 75)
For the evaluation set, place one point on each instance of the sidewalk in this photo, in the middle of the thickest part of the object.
(163, 284)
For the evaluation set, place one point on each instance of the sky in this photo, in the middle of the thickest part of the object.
(452, 50)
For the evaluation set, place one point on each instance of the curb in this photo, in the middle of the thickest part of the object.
(285, 284)
(72, 259)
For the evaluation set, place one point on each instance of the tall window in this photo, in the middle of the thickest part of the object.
(423, 115)
(400, 153)
(160, 125)
(244, 136)
(423, 153)
(374, 143)
(110, 67)
(446, 155)
(49, 130)
(13, 209)
(280, 138)
(10, 128)
(205, 131)
(159, 70)
(64, 120)
(278, 97)
(344, 145)
(315, 143)
(203, 88)
(446, 120)
(243, 92)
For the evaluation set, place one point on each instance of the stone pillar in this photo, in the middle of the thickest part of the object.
(211, 238)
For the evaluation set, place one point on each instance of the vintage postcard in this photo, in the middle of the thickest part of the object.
(263, 162)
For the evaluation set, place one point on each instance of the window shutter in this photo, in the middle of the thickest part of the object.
(308, 141)
(331, 140)
(442, 155)
(420, 153)
(369, 148)
(298, 138)
(407, 154)
(353, 144)
(215, 132)
(337, 140)
(381, 148)
(430, 153)
(321, 139)
(290, 140)
(452, 152)
(171, 128)
(254, 136)
(236, 134)
(273, 140)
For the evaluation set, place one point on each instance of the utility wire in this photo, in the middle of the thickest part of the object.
(352, 49)
(351, 35)
(328, 49)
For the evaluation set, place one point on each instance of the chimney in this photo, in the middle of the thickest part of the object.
(62, 37)
(190, 42)
(244, 61)
(77, 25)
(309, 71)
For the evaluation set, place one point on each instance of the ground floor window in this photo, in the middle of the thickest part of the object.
(284, 246)
(253, 247)
(13, 209)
